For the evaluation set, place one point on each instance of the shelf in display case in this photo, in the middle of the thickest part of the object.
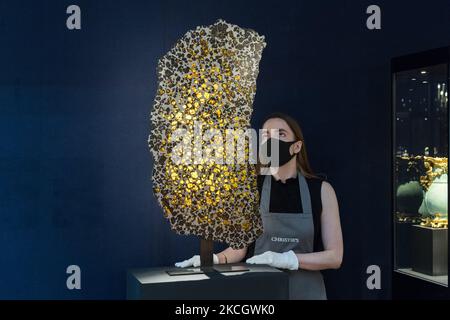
(440, 280)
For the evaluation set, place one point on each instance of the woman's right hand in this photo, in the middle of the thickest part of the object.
(194, 261)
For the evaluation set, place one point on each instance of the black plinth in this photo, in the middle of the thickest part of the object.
(259, 282)
(429, 250)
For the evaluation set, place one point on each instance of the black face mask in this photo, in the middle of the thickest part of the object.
(284, 156)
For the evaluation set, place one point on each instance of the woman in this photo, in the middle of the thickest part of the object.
(300, 214)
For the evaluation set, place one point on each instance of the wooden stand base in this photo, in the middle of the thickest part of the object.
(206, 253)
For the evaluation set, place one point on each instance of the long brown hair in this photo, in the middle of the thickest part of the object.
(302, 159)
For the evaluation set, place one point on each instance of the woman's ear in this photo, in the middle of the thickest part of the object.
(298, 146)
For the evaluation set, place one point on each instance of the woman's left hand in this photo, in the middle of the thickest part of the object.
(285, 260)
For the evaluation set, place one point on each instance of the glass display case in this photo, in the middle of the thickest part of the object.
(420, 165)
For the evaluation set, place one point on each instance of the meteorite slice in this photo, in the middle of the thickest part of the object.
(208, 77)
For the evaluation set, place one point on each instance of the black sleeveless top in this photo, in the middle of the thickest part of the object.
(285, 197)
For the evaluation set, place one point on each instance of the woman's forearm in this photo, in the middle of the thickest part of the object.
(331, 256)
(328, 259)
(230, 255)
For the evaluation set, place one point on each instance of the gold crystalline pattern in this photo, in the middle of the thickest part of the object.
(209, 76)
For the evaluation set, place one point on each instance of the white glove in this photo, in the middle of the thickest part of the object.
(195, 261)
(285, 260)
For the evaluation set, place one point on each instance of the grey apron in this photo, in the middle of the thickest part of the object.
(291, 231)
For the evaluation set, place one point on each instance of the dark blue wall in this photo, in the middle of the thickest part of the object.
(75, 168)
